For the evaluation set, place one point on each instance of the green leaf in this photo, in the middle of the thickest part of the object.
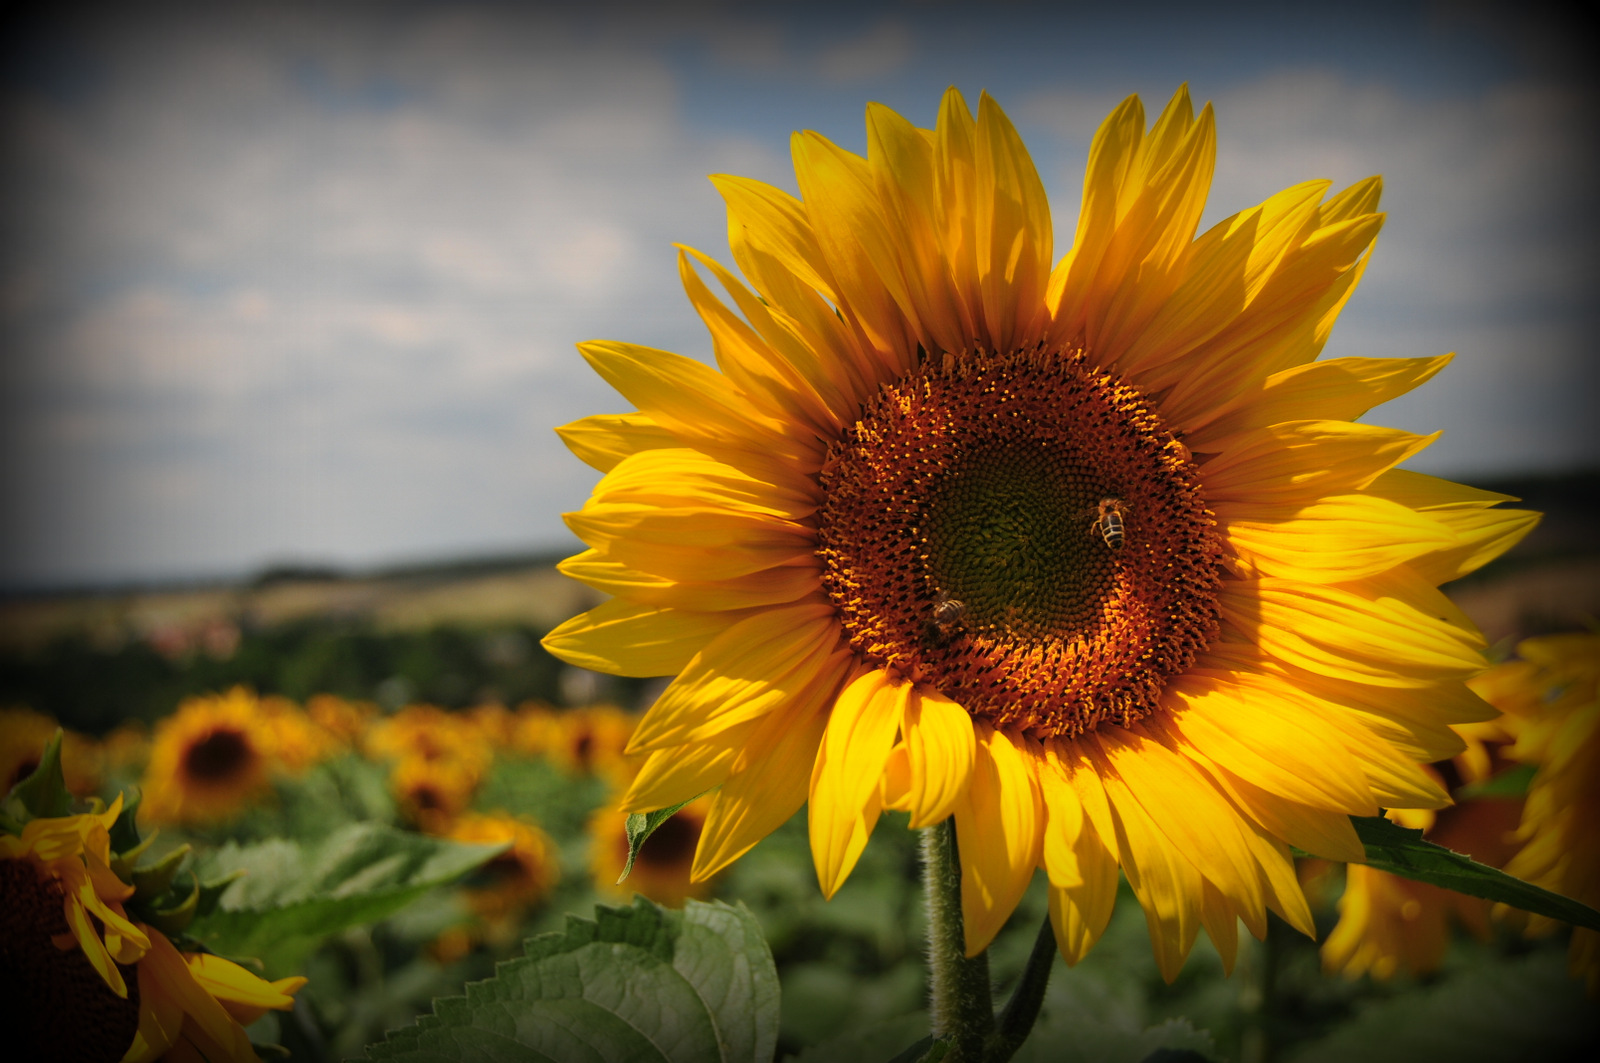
(295, 893)
(1513, 782)
(43, 794)
(643, 824)
(645, 984)
(1403, 852)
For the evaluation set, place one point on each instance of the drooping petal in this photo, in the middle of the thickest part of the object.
(771, 775)
(939, 755)
(855, 747)
(998, 832)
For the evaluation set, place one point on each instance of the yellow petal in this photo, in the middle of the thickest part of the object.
(1188, 810)
(1335, 389)
(1012, 232)
(1218, 917)
(847, 219)
(691, 544)
(1331, 540)
(772, 586)
(845, 797)
(1304, 460)
(160, 1019)
(771, 777)
(998, 827)
(678, 477)
(1166, 883)
(760, 663)
(205, 1021)
(775, 224)
(605, 439)
(622, 638)
(1481, 535)
(1354, 633)
(751, 363)
(1316, 830)
(825, 389)
(676, 774)
(702, 408)
(1243, 726)
(939, 755)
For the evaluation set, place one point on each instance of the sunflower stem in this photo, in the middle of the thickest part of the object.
(961, 1006)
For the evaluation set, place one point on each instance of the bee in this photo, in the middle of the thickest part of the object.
(947, 614)
(1108, 517)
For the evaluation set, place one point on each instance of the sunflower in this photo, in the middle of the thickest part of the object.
(518, 878)
(209, 759)
(1389, 924)
(591, 740)
(429, 733)
(1554, 692)
(663, 869)
(345, 720)
(1092, 558)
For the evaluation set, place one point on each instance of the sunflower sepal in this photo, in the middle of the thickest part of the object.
(152, 880)
(1405, 852)
(43, 794)
(180, 917)
(643, 824)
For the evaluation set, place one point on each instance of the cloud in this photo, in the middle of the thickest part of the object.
(296, 282)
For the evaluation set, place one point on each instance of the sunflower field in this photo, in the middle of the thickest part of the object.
(954, 671)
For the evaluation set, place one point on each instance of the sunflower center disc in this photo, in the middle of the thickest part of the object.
(970, 541)
(218, 756)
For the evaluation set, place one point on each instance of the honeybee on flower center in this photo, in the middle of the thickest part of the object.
(947, 614)
(1108, 520)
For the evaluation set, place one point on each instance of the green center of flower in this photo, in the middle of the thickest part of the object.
(1006, 532)
(1023, 534)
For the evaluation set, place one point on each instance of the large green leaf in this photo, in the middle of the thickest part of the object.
(293, 893)
(643, 984)
(1403, 852)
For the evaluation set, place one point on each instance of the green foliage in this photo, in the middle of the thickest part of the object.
(294, 893)
(642, 983)
(1526, 1008)
(1399, 851)
(1513, 782)
(43, 793)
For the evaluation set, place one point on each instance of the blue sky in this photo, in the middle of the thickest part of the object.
(301, 283)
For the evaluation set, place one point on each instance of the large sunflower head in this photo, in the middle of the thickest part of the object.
(1087, 554)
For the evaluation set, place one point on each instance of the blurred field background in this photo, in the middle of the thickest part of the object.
(420, 698)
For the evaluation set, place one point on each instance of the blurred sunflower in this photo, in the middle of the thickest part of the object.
(592, 740)
(84, 982)
(1389, 924)
(429, 733)
(345, 720)
(1554, 692)
(297, 741)
(518, 878)
(209, 759)
(662, 870)
(23, 736)
(1092, 559)
(535, 728)
(432, 793)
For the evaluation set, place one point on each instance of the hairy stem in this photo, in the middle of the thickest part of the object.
(961, 1006)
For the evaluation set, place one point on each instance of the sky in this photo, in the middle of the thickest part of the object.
(300, 284)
